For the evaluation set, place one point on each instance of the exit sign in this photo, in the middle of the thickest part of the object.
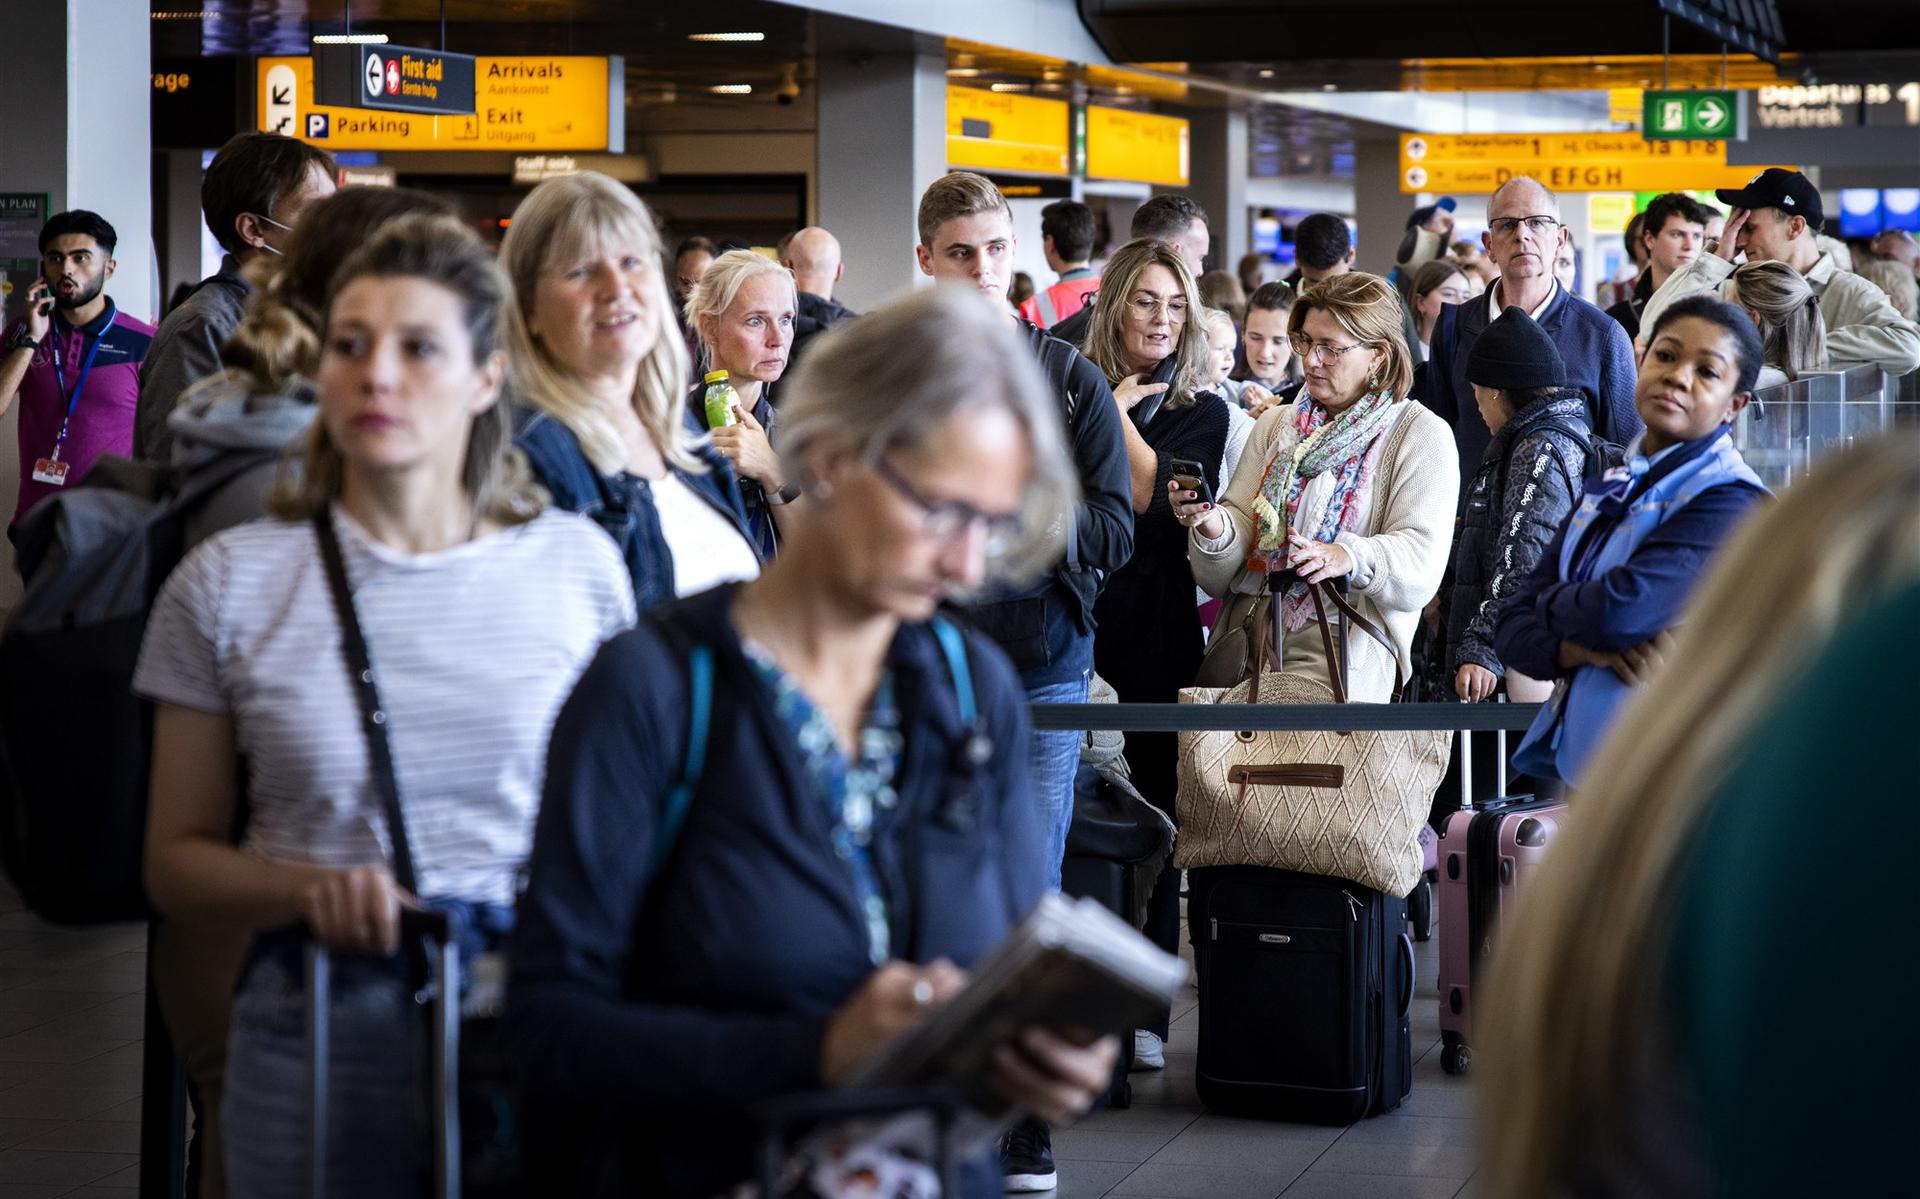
(1701, 115)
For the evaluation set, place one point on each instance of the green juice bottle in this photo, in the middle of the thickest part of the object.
(720, 400)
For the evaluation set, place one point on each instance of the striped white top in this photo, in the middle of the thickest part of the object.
(474, 648)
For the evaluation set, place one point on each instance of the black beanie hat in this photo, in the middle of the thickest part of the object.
(1515, 354)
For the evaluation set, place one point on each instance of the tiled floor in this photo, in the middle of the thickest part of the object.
(1167, 1145)
(70, 1027)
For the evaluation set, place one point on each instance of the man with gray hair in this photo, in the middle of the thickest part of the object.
(1524, 232)
(813, 255)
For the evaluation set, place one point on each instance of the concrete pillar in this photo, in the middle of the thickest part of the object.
(76, 92)
(882, 139)
(1379, 210)
(1218, 149)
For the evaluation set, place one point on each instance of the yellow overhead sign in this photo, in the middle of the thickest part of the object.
(1138, 146)
(1005, 131)
(1580, 162)
(540, 102)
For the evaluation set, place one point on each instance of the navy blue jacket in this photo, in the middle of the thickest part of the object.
(1624, 606)
(764, 534)
(668, 1007)
(623, 504)
(1597, 352)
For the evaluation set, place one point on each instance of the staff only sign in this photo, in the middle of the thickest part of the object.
(394, 78)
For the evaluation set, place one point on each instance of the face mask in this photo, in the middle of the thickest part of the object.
(268, 246)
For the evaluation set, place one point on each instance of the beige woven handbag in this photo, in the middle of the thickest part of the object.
(1345, 804)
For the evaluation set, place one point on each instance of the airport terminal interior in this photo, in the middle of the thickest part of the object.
(1366, 718)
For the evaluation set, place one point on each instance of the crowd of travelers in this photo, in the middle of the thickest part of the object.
(823, 607)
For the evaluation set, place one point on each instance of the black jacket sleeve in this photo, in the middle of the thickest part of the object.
(1543, 483)
(617, 748)
(1103, 524)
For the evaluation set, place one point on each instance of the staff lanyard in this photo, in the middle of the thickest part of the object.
(79, 384)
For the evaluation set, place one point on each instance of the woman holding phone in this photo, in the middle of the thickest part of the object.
(1147, 337)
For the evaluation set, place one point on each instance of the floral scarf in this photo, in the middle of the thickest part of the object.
(1348, 445)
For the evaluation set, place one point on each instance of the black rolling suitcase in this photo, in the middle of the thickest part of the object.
(1115, 846)
(1306, 984)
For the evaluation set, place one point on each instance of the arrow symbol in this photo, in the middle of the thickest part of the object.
(1710, 114)
(280, 96)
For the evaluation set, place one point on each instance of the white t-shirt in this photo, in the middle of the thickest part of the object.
(474, 648)
(707, 548)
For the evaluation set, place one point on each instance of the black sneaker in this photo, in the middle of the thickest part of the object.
(1026, 1158)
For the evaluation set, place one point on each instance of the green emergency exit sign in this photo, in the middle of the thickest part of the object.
(1699, 115)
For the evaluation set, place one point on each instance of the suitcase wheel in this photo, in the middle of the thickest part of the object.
(1455, 1057)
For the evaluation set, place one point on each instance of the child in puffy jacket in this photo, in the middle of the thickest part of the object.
(1526, 486)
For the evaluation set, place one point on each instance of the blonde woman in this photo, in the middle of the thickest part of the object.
(743, 311)
(1349, 481)
(597, 362)
(478, 610)
(1793, 335)
(1595, 1067)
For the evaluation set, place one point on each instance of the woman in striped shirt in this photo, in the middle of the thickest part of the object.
(479, 609)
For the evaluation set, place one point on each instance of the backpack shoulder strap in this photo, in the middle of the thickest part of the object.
(699, 719)
(953, 644)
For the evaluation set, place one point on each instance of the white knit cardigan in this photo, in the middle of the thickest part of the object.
(1408, 534)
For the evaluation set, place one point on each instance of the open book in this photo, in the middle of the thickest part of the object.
(1071, 966)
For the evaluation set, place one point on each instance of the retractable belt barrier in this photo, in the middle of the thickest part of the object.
(1229, 718)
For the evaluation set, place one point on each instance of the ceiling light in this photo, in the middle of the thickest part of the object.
(1009, 87)
(726, 37)
(963, 72)
(349, 39)
(732, 89)
(1329, 87)
(185, 16)
(1266, 72)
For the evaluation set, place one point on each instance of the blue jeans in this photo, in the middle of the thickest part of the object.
(1056, 759)
(378, 1126)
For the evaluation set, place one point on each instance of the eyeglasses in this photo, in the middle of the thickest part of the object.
(1326, 350)
(1539, 226)
(1146, 307)
(945, 520)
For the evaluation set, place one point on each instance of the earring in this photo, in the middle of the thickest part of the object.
(1373, 381)
(821, 490)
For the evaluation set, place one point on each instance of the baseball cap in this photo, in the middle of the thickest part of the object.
(1776, 187)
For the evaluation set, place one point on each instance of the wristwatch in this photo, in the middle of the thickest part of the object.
(786, 495)
(21, 338)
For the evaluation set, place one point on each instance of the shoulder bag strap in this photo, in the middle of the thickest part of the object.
(699, 718)
(373, 718)
(954, 646)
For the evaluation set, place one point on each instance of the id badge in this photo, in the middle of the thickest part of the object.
(51, 470)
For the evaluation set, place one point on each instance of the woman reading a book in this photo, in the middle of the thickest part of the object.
(782, 818)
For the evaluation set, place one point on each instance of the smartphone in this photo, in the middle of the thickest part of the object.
(1192, 477)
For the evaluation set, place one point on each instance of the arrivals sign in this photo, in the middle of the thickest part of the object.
(394, 79)
(528, 104)
(1708, 115)
(1477, 163)
(1005, 131)
(1138, 146)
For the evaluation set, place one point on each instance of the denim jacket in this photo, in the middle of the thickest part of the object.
(623, 504)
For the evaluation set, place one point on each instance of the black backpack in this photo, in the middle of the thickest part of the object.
(1602, 455)
(75, 742)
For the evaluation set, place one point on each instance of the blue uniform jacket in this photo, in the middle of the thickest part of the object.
(666, 1007)
(622, 504)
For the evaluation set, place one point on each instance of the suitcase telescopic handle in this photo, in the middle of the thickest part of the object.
(1406, 958)
(443, 972)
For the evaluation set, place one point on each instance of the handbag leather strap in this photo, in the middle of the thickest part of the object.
(1336, 660)
(373, 717)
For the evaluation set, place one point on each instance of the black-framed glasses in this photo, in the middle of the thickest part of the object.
(1539, 226)
(1307, 348)
(945, 520)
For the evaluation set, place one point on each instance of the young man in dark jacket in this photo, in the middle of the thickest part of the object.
(967, 240)
(1527, 484)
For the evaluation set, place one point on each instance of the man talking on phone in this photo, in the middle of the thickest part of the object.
(72, 361)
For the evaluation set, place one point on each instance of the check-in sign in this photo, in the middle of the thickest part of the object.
(394, 79)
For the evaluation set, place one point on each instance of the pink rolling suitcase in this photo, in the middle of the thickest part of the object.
(1488, 854)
